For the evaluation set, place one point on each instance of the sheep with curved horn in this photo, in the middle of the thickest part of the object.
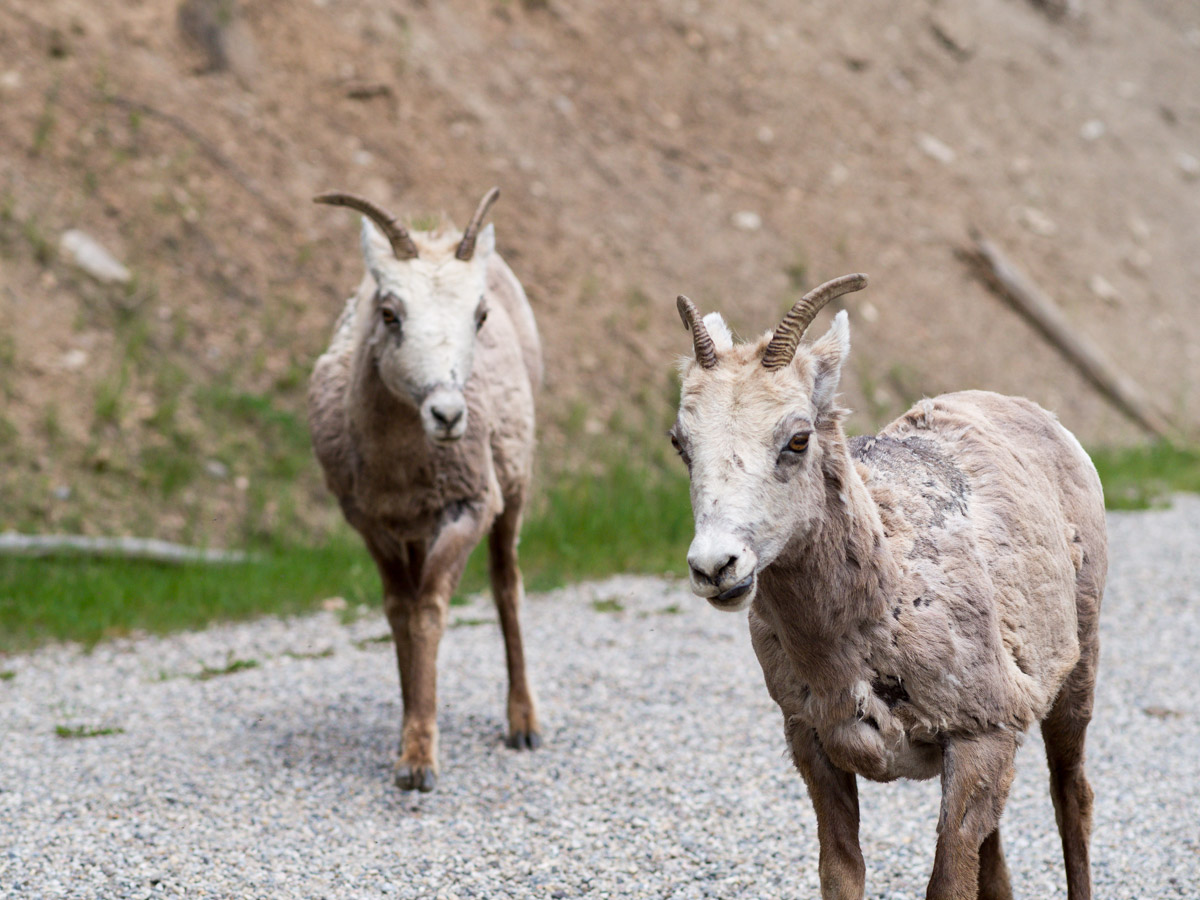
(422, 417)
(917, 599)
(466, 247)
(397, 235)
(702, 342)
(787, 334)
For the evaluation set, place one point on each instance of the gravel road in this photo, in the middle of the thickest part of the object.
(663, 773)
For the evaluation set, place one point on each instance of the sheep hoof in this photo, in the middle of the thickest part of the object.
(524, 740)
(416, 778)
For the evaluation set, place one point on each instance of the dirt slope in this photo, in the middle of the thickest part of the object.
(736, 152)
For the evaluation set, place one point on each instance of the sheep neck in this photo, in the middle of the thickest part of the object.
(832, 582)
(386, 429)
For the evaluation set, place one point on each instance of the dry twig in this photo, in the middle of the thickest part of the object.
(13, 544)
(1037, 306)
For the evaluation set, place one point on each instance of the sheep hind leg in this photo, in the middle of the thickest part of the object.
(524, 731)
(994, 882)
(977, 771)
(1064, 732)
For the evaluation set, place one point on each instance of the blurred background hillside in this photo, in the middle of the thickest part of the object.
(736, 152)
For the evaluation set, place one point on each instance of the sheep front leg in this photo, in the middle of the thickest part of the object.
(400, 571)
(524, 732)
(834, 795)
(977, 771)
(418, 631)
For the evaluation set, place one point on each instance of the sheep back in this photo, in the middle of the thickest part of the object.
(995, 516)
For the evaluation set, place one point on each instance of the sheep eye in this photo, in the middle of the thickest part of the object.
(679, 449)
(480, 317)
(798, 443)
(389, 316)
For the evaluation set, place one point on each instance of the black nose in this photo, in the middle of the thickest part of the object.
(720, 567)
(444, 418)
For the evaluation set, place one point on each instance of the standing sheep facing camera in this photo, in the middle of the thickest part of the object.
(421, 413)
(918, 599)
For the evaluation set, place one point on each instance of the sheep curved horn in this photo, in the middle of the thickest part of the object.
(402, 244)
(706, 350)
(466, 247)
(787, 336)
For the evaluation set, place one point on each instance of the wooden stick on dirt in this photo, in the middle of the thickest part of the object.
(1121, 390)
(13, 544)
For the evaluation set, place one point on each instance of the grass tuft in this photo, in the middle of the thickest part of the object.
(797, 274)
(636, 517)
(234, 665)
(366, 643)
(318, 654)
(46, 120)
(1145, 476)
(85, 731)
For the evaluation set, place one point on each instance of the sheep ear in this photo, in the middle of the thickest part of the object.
(722, 337)
(485, 244)
(375, 248)
(829, 353)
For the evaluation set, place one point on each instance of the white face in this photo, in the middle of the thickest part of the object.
(421, 326)
(752, 441)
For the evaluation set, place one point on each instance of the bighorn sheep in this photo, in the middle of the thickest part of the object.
(917, 599)
(421, 413)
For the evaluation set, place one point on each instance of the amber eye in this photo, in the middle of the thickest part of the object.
(389, 316)
(798, 443)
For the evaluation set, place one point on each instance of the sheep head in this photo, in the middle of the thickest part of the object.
(755, 420)
(428, 304)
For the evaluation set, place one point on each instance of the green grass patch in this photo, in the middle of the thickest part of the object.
(169, 469)
(88, 600)
(111, 395)
(1145, 476)
(276, 436)
(636, 517)
(7, 675)
(625, 509)
(608, 605)
(84, 731)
